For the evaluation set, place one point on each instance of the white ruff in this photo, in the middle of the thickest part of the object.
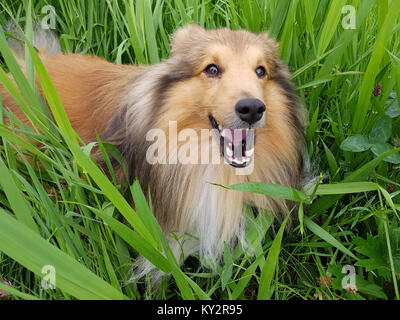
(216, 217)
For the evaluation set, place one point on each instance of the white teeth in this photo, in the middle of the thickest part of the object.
(250, 152)
(244, 159)
(237, 161)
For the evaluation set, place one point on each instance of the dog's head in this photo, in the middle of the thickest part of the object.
(233, 82)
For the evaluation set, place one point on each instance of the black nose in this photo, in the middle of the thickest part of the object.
(250, 110)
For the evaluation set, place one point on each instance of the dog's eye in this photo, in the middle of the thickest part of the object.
(261, 72)
(212, 70)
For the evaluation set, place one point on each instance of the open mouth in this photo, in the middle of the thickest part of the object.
(236, 144)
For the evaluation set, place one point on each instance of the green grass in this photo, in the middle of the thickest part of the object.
(66, 212)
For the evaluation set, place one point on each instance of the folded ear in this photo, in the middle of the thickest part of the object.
(183, 35)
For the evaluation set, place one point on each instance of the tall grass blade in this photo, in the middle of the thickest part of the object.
(268, 270)
(33, 252)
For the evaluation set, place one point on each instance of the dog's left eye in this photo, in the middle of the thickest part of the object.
(261, 72)
(212, 70)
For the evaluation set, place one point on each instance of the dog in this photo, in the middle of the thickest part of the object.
(229, 82)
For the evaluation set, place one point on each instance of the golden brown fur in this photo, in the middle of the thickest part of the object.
(122, 103)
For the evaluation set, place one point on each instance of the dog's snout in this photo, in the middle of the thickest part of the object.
(250, 110)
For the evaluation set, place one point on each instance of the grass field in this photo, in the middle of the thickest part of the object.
(66, 214)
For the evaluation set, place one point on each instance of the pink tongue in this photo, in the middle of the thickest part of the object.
(235, 135)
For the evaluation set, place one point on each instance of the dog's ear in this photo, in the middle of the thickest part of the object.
(269, 41)
(183, 35)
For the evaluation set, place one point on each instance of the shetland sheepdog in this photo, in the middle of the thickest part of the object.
(231, 83)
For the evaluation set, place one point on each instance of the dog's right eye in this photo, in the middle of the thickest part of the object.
(212, 70)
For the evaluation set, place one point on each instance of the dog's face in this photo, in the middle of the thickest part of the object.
(230, 81)
(234, 81)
